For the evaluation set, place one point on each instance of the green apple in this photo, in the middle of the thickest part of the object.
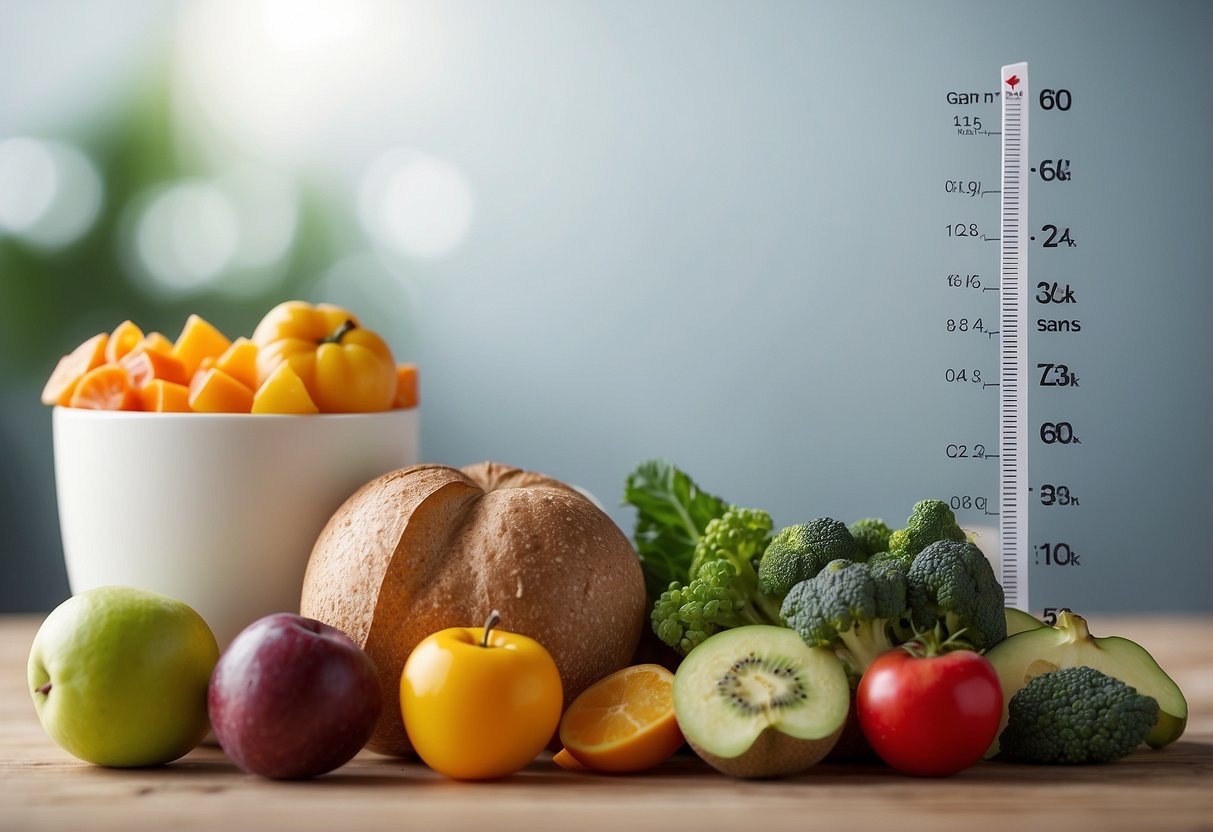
(119, 676)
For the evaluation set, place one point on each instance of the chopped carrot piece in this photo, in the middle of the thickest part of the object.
(198, 340)
(240, 362)
(107, 387)
(72, 367)
(144, 366)
(283, 392)
(160, 396)
(125, 337)
(214, 391)
(406, 386)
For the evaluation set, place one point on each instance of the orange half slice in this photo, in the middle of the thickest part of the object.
(625, 722)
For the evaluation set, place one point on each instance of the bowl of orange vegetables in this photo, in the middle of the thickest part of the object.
(204, 467)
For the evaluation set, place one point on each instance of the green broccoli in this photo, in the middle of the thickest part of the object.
(849, 607)
(723, 590)
(930, 521)
(716, 599)
(952, 584)
(799, 552)
(740, 536)
(1076, 715)
(871, 536)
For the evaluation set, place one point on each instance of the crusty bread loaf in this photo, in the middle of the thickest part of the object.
(430, 547)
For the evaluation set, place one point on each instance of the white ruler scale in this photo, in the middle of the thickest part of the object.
(1013, 337)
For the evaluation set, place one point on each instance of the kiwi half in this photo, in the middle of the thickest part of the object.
(757, 701)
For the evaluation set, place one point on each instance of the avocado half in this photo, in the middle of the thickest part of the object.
(1031, 653)
(1019, 621)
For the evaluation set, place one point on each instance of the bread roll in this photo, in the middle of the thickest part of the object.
(430, 547)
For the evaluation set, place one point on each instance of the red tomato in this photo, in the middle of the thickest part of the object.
(930, 716)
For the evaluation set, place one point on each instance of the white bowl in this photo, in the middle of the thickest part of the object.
(219, 511)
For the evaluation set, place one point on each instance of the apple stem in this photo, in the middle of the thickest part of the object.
(493, 620)
(45, 689)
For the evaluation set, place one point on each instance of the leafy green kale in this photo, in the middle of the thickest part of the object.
(672, 515)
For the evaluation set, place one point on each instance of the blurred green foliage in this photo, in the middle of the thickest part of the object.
(53, 299)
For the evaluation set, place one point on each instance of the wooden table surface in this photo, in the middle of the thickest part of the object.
(41, 787)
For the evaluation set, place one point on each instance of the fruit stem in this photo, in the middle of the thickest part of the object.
(493, 620)
(341, 332)
(45, 689)
(932, 643)
(1074, 626)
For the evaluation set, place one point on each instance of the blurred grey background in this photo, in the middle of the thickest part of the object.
(713, 232)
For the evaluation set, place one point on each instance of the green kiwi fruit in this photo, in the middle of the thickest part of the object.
(757, 701)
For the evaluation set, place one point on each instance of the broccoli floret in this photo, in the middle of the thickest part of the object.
(799, 552)
(951, 583)
(1076, 715)
(930, 521)
(871, 536)
(723, 590)
(899, 559)
(718, 598)
(850, 608)
(740, 536)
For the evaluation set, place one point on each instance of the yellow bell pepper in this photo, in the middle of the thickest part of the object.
(345, 368)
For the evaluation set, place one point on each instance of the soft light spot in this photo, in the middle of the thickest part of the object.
(289, 80)
(266, 204)
(416, 204)
(186, 236)
(50, 193)
(307, 25)
(27, 183)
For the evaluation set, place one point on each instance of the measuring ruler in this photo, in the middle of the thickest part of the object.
(1071, 355)
(987, 472)
(1013, 506)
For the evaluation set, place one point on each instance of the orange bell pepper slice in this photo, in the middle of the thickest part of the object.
(160, 396)
(406, 386)
(214, 391)
(198, 340)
